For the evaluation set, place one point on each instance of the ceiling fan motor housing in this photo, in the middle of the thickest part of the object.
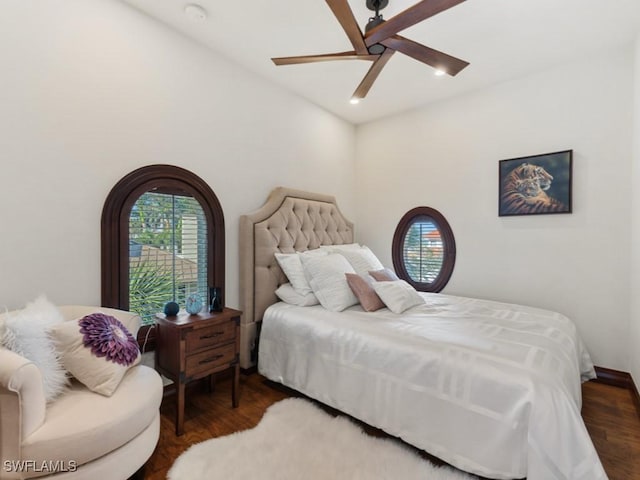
(376, 5)
(376, 48)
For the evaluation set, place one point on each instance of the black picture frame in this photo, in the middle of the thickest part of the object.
(536, 185)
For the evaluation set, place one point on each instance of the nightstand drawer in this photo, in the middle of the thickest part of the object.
(206, 361)
(210, 336)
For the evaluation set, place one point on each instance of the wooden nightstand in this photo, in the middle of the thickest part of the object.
(190, 347)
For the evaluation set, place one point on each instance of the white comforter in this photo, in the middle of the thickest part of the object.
(491, 388)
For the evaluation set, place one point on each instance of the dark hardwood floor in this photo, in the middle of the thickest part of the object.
(614, 425)
(608, 412)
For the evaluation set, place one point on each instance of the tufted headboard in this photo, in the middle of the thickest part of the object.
(290, 221)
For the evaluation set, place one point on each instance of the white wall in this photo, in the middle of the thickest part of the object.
(446, 156)
(91, 90)
(634, 337)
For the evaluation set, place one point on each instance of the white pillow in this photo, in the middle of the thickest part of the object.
(361, 259)
(292, 268)
(397, 295)
(287, 294)
(98, 350)
(25, 332)
(327, 278)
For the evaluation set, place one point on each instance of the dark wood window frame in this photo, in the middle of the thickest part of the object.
(167, 179)
(449, 246)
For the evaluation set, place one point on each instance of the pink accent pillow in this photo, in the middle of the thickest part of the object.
(384, 275)
(364, 292)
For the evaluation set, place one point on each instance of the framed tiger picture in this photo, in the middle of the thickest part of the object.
(537, 184)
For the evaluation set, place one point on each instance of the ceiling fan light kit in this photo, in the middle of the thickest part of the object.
(381, 40)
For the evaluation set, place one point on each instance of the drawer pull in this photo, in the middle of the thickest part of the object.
(212, 359)
(211, 335)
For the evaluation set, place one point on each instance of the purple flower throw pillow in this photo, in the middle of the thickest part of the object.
(107, 337)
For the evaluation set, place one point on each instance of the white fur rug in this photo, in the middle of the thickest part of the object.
(295, 440)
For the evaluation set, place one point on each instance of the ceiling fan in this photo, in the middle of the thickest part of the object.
(380, 40)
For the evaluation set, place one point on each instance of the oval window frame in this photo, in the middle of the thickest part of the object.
(448, 241)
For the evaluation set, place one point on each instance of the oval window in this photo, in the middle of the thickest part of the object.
(424, 250)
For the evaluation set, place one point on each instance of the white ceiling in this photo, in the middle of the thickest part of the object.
(502, 39)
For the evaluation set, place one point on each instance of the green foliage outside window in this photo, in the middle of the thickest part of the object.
(149, 290)
(167, 257)
(153, 217)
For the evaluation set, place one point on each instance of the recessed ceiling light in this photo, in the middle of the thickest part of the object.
(195, 12)
(439, 73)
(354, 101)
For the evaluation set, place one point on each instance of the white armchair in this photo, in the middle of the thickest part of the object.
(81, 434)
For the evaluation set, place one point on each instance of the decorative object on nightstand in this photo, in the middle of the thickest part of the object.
(215, 299)
(190, 347)
(171, 309)
(193, 304)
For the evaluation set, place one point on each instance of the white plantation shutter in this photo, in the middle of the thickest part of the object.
(423, 251)
(167, 252)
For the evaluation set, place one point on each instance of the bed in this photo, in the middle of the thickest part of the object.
(491, 388)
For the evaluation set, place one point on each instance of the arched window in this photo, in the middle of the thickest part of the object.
(162, 240)
(424, 250)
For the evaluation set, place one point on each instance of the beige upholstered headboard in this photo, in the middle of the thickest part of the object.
(290, 221)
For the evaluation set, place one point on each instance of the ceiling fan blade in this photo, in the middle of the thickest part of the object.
(412, 15)
(343, 13)
(327, 57)
(372, 74)
(436, 59)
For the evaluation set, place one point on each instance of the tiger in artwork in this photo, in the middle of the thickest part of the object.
(528, 187)
(524, 191)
